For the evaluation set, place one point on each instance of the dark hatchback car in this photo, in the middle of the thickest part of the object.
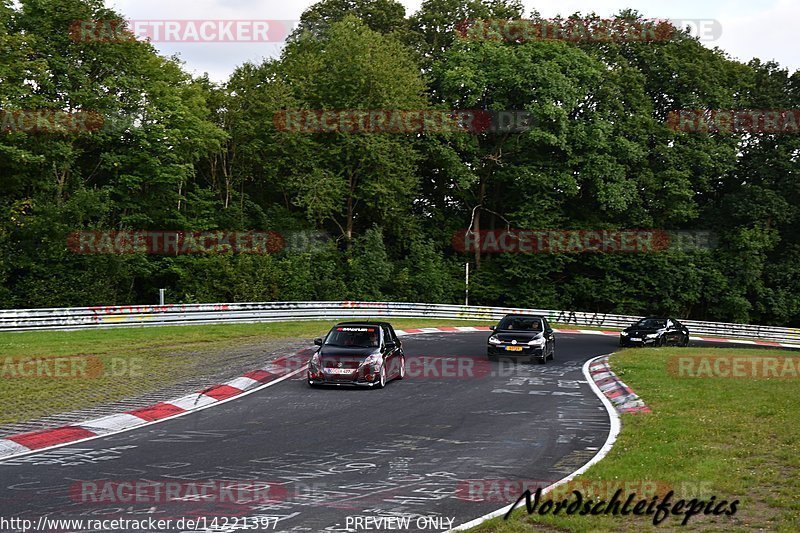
(365, 354)
(655, 332)
(522, 335)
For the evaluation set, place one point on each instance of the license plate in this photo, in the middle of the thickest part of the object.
(513, 348)
(636, 339)
(339, 370)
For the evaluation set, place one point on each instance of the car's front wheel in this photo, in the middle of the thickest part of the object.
(685, 341)
(381, 383)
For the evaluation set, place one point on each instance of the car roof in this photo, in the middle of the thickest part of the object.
(364, 323)
(517, 315)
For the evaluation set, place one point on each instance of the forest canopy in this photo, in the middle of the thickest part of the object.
(600, 151)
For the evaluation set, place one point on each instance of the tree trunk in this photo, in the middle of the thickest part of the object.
(476, 222)
(348, 234)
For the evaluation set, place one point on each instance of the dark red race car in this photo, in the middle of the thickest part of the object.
(365, 354)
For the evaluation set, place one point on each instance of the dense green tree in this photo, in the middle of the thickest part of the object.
(439, 23)
(600, 152)
(353, 180)
(382, 16)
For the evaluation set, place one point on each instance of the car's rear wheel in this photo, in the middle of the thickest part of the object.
(685, 340)
(402, 373)
(381, 379)
(553, 352)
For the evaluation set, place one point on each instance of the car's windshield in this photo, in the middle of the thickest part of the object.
(354, 337)
(520, 324)
(651, 323)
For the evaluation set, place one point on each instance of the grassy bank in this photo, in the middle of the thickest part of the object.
(733, 438)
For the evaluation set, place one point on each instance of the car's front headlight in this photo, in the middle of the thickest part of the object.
(374, 359)
(494, 340)
(536, 341)
(623, 333)
(652, 335)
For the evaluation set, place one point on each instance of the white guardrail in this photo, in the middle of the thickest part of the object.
(186, 314)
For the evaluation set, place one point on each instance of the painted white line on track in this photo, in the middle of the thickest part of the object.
(612, 437)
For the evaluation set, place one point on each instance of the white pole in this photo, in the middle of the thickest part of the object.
(466, 282)
(161, 295)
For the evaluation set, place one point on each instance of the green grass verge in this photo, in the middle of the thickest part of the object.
(733, 438)
(136, 360)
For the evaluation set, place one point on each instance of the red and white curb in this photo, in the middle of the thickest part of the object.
(270, 374)
(620, 395)
(443, 329)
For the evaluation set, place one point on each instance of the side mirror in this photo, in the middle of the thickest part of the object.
(493, 328)
(318, 341)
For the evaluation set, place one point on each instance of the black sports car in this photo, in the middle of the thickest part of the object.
(522, 335)
(655, 332)
(357, 353)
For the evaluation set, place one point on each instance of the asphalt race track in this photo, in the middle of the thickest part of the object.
(423, 448)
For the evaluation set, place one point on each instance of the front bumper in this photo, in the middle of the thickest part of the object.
(360, 378)
(340, 383)
(526, 351)
(640, 341)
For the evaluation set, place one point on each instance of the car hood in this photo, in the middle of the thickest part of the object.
(346, 353)
(519, 336)
(643, 331)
